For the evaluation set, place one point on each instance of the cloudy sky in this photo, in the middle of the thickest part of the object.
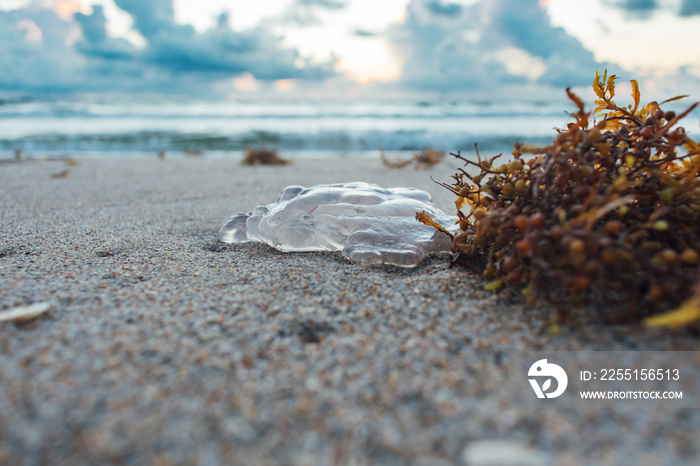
(305, 46)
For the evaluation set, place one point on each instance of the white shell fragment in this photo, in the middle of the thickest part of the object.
(24, 313)
(503, 453)
(370, 224)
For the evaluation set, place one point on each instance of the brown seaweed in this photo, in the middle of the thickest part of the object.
(263, 156)
(606, 217)
(426, 159)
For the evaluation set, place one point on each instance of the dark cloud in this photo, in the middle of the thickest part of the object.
(645, 8)
(638, 5)
(304, 12)
(79, 55)
(472, 50)
(299, 16)
(180, 49)
(95, 41)
(436, 56)
(526, 25)
(440, 7)
(329, 4)
(364, 33)
(636, 8)
(690, 8)
(152, 17)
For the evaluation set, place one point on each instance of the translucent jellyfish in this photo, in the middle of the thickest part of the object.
(370, 224)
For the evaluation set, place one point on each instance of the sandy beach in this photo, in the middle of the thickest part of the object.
(162, 346)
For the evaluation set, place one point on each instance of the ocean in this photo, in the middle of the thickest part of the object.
(142, 127)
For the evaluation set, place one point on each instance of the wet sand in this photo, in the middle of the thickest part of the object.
(163, 347)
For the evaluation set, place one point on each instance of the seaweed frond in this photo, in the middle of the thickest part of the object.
(426, 159)
(426, 220)
(263, 156)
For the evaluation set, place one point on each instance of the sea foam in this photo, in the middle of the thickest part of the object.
(370, 224)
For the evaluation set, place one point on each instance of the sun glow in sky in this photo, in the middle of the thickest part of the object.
(364, 58)
(67, 8)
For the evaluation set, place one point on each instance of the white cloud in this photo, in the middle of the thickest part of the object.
(508, 42)
(34, 33)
